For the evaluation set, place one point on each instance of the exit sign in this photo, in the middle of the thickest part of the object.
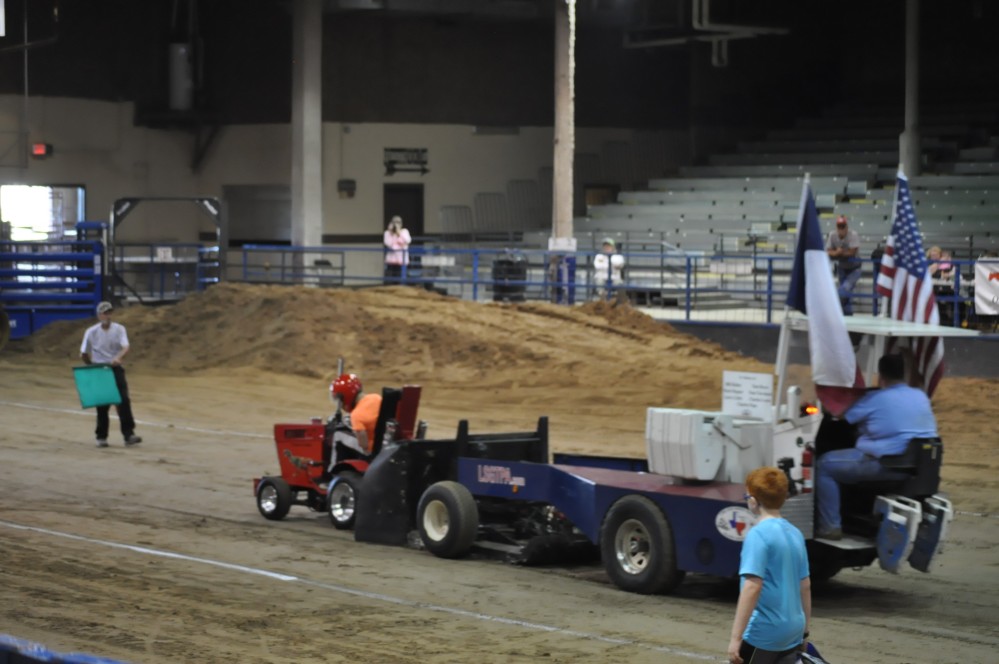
(41, 150)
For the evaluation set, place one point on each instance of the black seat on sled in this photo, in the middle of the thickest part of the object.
(921, 461)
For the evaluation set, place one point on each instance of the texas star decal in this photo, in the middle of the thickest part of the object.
(734, 522)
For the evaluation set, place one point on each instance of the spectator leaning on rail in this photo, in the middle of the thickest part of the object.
(608, 267)
(361, 415)
(886, 419)
(107, 343)
(775, 600)
(940, 266)
(843, 245)
(397, 240)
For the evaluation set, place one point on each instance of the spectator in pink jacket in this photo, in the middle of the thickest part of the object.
(397, 241)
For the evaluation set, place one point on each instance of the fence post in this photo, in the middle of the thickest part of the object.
(475, 275)
(770, 288)
(686, 305)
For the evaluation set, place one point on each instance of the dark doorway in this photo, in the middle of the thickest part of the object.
(405, 200)
(600, 194)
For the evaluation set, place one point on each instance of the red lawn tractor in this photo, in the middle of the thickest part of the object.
(305, 452)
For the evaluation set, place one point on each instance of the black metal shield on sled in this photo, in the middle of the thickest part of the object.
(393, 484)
(384, 514)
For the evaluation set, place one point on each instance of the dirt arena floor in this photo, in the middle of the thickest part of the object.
(157, 553)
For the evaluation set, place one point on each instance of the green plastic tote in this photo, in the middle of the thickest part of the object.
(95, 385)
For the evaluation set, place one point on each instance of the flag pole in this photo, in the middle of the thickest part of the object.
(879, 340)
(885, 302)
(784, 339)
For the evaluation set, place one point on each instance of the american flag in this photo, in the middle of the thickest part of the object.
(904, 279)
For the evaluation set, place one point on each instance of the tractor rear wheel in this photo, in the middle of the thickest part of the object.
(341, 499)
(273, 498)
(637, 547)
(448, 519)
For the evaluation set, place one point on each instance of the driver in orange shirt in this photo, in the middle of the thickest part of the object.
(360, 414)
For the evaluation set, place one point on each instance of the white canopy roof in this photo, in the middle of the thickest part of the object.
(887, 327)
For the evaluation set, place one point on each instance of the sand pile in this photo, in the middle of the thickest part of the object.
(393, 332)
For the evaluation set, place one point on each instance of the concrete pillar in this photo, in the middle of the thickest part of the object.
(565, 131)
(307, 123)
(909, 147)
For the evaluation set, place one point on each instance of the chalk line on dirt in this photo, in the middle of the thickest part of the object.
(277, 576)
(67, 411)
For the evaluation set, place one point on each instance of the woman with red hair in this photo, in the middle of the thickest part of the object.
(775, 600)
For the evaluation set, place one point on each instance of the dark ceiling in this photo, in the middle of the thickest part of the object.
(640, 62)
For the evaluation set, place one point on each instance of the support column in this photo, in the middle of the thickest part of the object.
(562, 243)
(565, 108)
(307, 123)
(909, 148)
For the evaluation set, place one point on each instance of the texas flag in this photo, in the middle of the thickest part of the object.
(813, 292)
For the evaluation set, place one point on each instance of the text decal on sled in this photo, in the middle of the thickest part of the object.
(489, 474)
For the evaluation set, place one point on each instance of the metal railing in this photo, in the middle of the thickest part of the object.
(162, 272)
(747, 286)
(41, 282)
(269, 264)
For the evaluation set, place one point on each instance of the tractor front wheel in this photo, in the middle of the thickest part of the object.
(448, 519)
(273, 498)
(341, 499)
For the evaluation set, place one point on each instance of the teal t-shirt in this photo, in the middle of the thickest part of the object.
(774, 550)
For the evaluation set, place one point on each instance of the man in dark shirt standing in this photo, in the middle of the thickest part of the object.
(842, 245)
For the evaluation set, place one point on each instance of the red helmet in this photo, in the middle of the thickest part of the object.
(346, 387)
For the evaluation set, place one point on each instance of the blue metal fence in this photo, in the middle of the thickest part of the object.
(747, 287)
(47, 281)
(41, 282)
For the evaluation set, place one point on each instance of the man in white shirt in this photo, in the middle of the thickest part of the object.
(107, 343)
(608, 267)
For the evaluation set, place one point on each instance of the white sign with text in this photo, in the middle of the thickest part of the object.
(747, 394)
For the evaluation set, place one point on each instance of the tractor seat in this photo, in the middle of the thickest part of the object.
(921, 460)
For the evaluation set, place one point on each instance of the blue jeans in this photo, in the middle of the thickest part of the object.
(847, 282)
(847, 466)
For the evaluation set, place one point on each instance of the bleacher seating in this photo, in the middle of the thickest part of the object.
(843, 144)
(856, 171)
(491, 215)
(851, 154)
(747, 201)
(525, 205)
(880, 157)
